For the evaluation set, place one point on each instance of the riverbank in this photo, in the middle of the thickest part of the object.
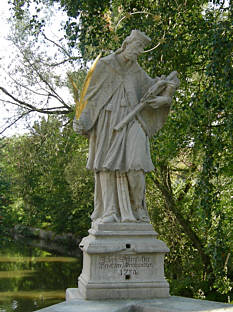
(64, 244)
(31, 278)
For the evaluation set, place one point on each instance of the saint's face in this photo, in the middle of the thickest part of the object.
(132, 50)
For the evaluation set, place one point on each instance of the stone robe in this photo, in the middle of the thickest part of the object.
(114, 91)
(118, 158)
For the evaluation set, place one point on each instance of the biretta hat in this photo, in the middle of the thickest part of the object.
(138, 35)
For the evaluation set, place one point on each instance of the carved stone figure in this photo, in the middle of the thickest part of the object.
(124, 108)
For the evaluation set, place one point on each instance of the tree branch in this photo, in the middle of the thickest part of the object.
(56, 44)
(185, 224)
(33, 108)
(17, 119)
(54, 93)
(73, 58)
(25, 87)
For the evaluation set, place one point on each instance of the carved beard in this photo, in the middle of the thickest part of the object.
(130, 55)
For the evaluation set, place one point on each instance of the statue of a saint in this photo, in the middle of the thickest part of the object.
(120, 90)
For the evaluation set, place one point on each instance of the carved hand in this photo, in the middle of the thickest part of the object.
(160, 101)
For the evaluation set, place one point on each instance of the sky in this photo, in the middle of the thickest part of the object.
(4, 29)
(5, 51)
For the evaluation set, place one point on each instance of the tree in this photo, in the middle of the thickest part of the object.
(192, 152)
(35, 74)
(5, 197)
(42, 177)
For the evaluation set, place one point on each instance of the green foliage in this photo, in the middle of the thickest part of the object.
(6, 197)
(194, 165)
(40, 163)
(189, 191)
(33, 279)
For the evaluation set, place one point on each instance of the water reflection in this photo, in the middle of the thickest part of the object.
(16, 274)
(31, 279)
(37, 259)
(34, 294)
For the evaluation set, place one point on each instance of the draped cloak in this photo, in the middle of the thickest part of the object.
(113, 92)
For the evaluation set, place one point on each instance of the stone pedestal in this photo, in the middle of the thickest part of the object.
(123, 261)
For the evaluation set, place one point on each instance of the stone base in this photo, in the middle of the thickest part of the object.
(171, 304)
(123, 261)
(119, 291)
(123, 290)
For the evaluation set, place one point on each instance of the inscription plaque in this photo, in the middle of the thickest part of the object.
(125, 265)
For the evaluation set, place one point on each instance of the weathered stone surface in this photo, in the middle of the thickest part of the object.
(122, 257)
(171, 304)
(119, 154)
(123, 261)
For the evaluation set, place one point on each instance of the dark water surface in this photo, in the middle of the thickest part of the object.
(31, 279)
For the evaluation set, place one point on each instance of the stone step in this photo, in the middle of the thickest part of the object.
(171, 304)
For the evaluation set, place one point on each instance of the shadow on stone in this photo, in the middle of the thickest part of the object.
(131, 308)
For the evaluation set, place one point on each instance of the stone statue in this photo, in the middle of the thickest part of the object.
(124, 108)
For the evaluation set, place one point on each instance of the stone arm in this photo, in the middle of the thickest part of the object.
(165, 97)
(159, 95)
(157, 101)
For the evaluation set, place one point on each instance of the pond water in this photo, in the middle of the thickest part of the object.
(31, 279)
